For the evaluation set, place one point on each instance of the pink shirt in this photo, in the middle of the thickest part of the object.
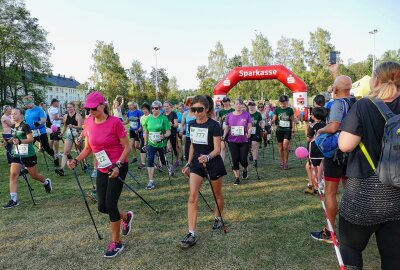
(106, 136)
(6, 128)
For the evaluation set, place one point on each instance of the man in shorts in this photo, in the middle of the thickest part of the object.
(333, 172)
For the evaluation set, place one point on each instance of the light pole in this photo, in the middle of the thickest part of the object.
(157, 89)
(373, 32)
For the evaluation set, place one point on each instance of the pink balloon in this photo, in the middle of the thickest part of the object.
(49, 131)
(54, 128)
(301, 152)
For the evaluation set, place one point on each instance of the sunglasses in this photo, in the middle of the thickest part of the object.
(197, 109)
(155, 108)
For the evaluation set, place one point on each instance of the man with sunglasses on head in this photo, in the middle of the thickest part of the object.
(157, 129)
(35, 117)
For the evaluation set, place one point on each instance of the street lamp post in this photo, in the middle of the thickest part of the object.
(373, 32)
(157, 88)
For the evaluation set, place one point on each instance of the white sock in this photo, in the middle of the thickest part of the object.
(193, 233)
(14, 196)
(46, 181)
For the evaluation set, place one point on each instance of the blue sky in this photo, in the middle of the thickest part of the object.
(185, 31)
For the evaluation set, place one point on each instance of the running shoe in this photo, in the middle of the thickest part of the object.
(48, 187)
(113, 250)
(60, 172)
(188, 241)
(286, 166)
(141, 166)
(217, 224)
(94, 173)
(176, 163)
(127, 224)
(160, 168)
(281, 165)
(10, 204)
(237, 182)
(245, 175)
(170, 170)
(324, 236)
(310, 190)
(250, 157)
(134, 160)
(151, 185)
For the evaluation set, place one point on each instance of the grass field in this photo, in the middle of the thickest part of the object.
(269, 223)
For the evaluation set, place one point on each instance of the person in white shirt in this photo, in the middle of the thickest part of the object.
(55, 119)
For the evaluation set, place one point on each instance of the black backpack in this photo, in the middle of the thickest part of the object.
(388, 167)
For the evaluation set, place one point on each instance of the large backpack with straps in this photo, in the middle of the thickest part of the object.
(328, 143)
(388, 167)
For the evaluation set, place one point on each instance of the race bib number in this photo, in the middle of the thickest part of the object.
(253, 130)
(237, 130)
(134, 124)
(35, 132)
(155, 136)
(199, 135)
(283, 123)
(102, 159)
(22, 149)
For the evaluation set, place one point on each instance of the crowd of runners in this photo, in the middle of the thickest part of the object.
(201, 134)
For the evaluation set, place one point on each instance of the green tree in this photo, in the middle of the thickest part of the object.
(317, 58)
(390, 55)
(163, 81)
(109, 76)
(24, 52)
(217, 62)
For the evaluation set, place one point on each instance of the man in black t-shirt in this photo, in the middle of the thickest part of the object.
(173, 120)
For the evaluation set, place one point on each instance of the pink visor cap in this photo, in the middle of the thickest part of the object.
(93, 100)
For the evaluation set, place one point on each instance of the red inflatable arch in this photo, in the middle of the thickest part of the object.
(275, 72)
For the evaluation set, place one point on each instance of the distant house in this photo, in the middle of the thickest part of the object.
(64, 89)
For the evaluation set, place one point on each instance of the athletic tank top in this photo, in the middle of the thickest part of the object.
(187, 120)
(71, 120)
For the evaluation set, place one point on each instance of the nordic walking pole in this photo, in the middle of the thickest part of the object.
(24, 175)
(137, 194)
(84, 198)
(215, 198)
(133, 177)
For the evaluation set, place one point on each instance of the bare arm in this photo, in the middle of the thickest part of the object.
(331, 128)
(348, 142)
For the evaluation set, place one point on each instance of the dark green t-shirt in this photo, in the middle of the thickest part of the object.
(256, 119)
(283, 121)
(23, 150)
(222, 115)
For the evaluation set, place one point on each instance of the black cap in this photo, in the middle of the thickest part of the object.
(54, 100)
(283, 98)
(226, 99)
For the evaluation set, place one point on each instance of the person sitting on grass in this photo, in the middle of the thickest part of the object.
(23, 155)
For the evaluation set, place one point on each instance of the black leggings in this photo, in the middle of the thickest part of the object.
(354, 239)
(44, 142)
(187, 146)
(108, 192)
(239, 152)
(174, 143)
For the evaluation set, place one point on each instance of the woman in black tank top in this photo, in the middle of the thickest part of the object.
(72, 124)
